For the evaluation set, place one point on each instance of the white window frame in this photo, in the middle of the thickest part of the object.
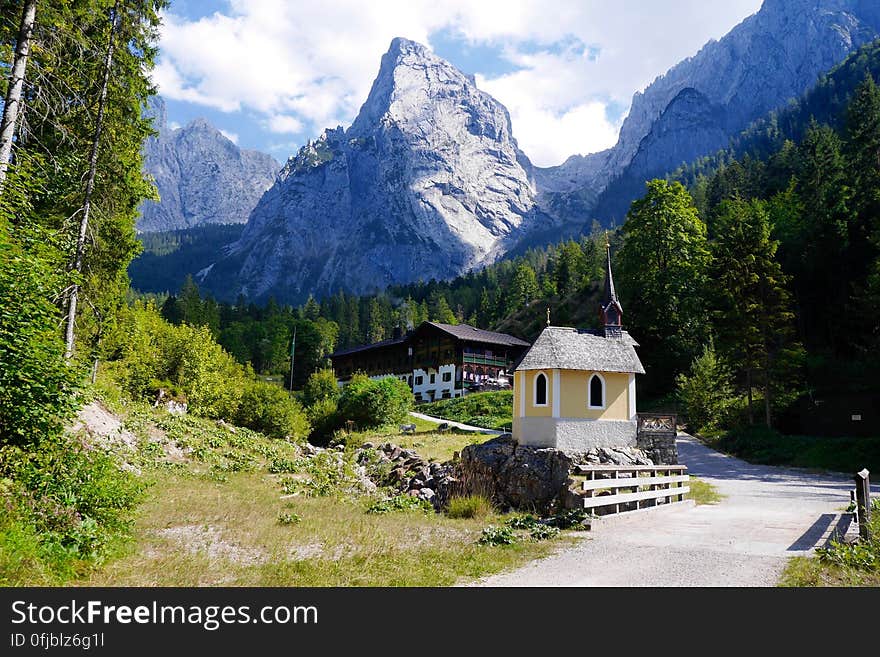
(546, 390)
(604, 392)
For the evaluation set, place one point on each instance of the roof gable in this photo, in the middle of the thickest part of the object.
(573, 349)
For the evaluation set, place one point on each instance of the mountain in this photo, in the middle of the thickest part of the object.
(202, 177)
(705, 100)
(427, 182)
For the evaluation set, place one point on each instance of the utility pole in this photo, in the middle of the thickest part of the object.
(292, 349)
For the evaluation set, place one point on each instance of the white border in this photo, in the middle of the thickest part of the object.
(535, 403)
(604, 392)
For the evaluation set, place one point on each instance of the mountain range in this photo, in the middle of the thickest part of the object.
(202, 177)
(429, 181)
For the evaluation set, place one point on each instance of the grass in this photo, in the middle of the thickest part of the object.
(812, 571)
(840, 563)
(762, 445)
(201, 533)
(469, 506)
(702, 492)
(490, 410)
(431, 444)
(220, 516)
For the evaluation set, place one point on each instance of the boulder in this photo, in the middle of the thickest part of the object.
(518, 476)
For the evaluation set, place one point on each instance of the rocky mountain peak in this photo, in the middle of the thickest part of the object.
(202, 177)
(427, 182)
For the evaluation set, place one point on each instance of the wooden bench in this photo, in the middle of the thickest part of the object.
(665, 484)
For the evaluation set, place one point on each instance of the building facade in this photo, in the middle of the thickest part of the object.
(438, 361)
(575, 389)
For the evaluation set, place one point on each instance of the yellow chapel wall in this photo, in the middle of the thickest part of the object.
(573, 396)
(527, 378)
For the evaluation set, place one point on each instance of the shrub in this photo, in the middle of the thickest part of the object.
(527, 521)
(320, 386)
(63, 507)
(371, 404)
(706, 392)
(289, 518)
(543, 532)
(269, 409)
(400, 503)
(493, 535)
(469, 506)
(324, 419)
(36, 384)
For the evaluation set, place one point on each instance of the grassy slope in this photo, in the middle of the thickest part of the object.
(212, 519)
(490, 410)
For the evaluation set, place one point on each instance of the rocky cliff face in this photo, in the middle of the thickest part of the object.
(696, 107)
(427, 182)
(202, 177)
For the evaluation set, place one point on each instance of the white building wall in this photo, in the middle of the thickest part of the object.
(433, 391)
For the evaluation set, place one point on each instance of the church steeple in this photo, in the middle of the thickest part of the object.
(610, 310)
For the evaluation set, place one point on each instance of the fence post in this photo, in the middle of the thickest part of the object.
(863, 502)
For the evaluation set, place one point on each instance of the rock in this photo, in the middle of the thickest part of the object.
(515, 475)
(427, 494)
(202, 176)
(368, 445)
(428, 156)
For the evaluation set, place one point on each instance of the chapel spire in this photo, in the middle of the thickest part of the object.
(610, 310)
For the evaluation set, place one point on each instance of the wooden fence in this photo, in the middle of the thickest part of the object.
(616, 488)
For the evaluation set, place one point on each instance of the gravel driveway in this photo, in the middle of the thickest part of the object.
(768, 515)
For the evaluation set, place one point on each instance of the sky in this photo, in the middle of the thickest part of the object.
(272, 74)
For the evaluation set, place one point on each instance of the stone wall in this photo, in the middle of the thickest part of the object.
(573, 435)
(659, 447)
(531, 478)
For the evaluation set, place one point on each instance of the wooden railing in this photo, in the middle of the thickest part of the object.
(617, 488)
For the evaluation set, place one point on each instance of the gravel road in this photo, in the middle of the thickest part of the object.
(768, 515)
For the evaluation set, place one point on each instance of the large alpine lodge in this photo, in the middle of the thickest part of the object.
(438, 361)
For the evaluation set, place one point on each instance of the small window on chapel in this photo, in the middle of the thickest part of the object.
(596, 392)
(541, 390)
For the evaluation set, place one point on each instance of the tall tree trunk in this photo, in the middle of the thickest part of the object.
(12, 104)
(77, 264)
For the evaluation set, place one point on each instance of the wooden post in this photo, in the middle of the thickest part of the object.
(863, 502)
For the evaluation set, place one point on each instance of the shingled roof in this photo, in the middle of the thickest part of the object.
(465, 332)
(566, 348)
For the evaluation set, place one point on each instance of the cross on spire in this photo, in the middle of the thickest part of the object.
(610, 310)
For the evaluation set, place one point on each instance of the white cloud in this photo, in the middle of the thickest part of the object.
(313, 63)
(173, 125)
(231, 136)
(282, 123)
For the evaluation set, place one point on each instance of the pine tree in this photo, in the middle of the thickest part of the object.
(753, 317)
(524, 288)
(662, 270)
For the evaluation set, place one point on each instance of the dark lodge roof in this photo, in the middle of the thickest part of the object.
(365, 347)
(471, 334)
(575, 349)
(458, 331)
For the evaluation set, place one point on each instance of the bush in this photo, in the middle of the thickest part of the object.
(706, 392)
(493, 535)
(469, 506)
(372, 404)
(36, 384)
(400, 503)
(324, 419)
(320, 386)
(269, 409)
(64, 506)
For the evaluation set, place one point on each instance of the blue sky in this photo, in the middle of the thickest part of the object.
(274, 73)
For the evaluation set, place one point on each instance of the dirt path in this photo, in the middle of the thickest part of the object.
(768, 515)
(457, 425)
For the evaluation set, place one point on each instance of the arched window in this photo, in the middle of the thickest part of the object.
(541, 389)
(596, 392)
